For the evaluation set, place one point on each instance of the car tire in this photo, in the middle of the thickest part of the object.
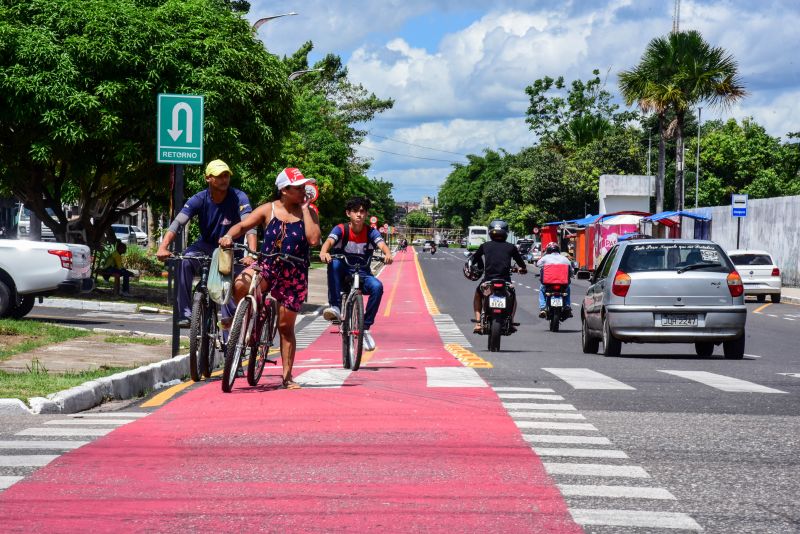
(589, 344)
(761, 298)
(775, 298)
(23, 307)
(611, 345)
(734, 349)
(704, 349)
(6, 304)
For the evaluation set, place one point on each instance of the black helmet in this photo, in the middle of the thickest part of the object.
(552, 247)
(471, 269)
(498, 230)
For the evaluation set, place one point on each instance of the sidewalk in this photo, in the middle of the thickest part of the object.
(93, 352)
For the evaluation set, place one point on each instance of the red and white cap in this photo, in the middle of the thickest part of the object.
(292, 176)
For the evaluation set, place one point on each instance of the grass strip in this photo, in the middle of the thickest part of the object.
(34, 334)
(37, 382)
(136, 340)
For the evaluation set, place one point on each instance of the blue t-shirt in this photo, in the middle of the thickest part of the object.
(216, 219)
(359, 247)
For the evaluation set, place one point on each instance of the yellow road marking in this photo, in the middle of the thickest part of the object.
(758, 310)
(433, 309)
(466, 357)
(388, 308)
(167, 394)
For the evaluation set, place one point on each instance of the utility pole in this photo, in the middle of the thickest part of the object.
(676, 17)
(697, 163)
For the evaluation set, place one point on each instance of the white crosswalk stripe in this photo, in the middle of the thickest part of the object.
(26, 460)
(99, 422)
(454, 377)
(595, 470)
(531, 396)
(41, 444)
(323, 378)
(123, 415)
(624, 492)
(558, 438)
(545, 415)
(634, 518)
(525, 390)
(581, 378)
(723, 383)
(64, 432)
(537, 406)
(8, 481)
(555, 426)
(310, 333)
(449, 330)
(579, 453)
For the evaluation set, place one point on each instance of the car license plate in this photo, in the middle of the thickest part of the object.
(556, 301)
(497, 302)
(679, 320)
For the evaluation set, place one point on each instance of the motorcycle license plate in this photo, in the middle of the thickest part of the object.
(679, 320)
(497, 302)
(556, 301)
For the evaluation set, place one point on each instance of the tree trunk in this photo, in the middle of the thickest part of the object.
(662, 156)
(679, 163)
(151, 230)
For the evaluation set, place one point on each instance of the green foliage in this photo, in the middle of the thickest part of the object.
(462, 193)
(575, 116)
(742, 158)
(33, 334)
(78, 83)
(140, 259)
(418, 219)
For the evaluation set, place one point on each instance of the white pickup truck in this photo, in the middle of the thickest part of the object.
(30, 269)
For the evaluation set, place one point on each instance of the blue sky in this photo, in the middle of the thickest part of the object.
(457, 70)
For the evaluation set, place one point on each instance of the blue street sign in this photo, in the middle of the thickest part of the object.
(739, 205)
(180, 129)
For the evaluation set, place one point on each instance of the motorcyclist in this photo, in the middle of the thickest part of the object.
(552, 254)
(494, 257)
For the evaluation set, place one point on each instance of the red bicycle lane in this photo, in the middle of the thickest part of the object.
(390, 449)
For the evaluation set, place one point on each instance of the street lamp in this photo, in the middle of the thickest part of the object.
(697, 162)
(296, 74)
(262, 21)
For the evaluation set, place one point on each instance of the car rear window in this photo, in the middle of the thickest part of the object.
(479, 231)
(673, 256)
(751, 259)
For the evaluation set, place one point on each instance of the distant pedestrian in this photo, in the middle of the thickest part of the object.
(113, 267)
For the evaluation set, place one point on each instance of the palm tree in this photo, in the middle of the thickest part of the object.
(675, 73)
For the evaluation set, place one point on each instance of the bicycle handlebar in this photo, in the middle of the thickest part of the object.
(264, 255)
(355, 263)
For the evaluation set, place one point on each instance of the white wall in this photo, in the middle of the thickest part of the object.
(772, 224)
(619, 192)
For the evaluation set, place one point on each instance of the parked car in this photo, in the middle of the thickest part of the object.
(524, 246)
(29, 269)
(533, 256)
(426, 247)
(760, 274)
(463, 242)
(130, 234)
(23, 222)
(418, 242)
(665, 291)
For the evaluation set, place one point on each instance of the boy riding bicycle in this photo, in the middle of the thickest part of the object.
(357, 242)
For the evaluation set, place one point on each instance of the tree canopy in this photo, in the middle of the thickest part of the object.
(78, 83)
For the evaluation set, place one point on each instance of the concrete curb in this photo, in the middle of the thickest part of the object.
(121, 386)
(93, 305)
(790, 300)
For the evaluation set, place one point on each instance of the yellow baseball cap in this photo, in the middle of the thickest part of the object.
(217, 167)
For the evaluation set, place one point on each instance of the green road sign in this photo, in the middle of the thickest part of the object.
(180, 129)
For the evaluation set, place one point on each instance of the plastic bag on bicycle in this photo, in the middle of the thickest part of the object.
(218, 284)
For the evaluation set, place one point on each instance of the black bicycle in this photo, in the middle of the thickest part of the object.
(254, 326)
(351, 325)
(204, 334)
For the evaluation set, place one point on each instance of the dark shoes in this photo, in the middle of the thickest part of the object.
(542, 314)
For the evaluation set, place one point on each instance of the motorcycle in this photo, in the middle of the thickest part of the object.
(555, 279)
(496, 311)
(433, 249)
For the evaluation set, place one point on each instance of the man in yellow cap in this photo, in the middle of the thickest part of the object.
(217, 208)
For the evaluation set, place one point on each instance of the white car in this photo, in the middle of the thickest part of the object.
(129, 234)
(760, 275)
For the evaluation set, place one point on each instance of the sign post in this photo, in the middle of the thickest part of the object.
(738, 210)
(179, 141)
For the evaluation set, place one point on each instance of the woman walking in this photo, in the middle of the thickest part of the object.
(291, 228)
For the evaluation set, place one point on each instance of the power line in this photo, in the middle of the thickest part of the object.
(416, 145)
(408, 155)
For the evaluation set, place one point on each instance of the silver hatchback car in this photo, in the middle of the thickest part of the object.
(665, 291)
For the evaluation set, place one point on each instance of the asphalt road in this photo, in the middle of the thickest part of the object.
(730, 458)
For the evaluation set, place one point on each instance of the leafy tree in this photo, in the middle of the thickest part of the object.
(78, 86)
(462, 192)
(743, 158)
(583, 114)
(677, 72)
(418, 219)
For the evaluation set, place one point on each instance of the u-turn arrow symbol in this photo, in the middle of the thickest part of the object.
(174, 132)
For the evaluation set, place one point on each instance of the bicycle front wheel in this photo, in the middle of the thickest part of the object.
(238, 340)
(209, 339)
(196, 335)
(356, 331)
(260, 350)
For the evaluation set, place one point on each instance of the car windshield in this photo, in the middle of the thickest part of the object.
(674, 257)
(751, 259)
(119, 228)
(137, 229)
